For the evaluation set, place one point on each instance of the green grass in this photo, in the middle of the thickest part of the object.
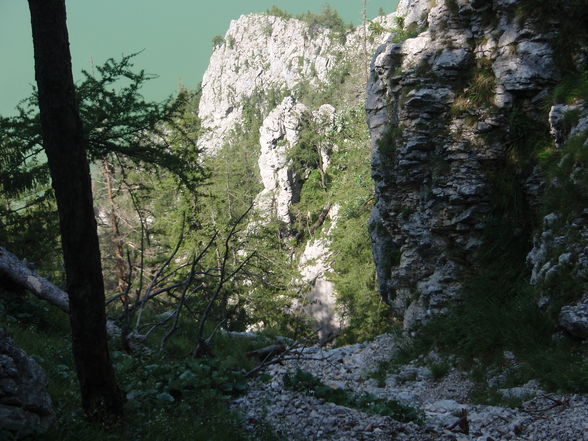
(479, 91)
(439, 369)
(302, 381)
(572, 88)
(402, 33)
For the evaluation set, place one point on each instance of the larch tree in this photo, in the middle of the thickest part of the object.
(65, 145)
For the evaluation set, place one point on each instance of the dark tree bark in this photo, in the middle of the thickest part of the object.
(65, 145)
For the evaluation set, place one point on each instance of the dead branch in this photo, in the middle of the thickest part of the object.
(293, 353)
(158, 274)
(463, 422)
(203, 346)
(178, 310)
(321, 218)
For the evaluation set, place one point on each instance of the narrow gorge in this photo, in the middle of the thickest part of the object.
(345, 233)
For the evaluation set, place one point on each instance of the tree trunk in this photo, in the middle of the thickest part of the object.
(65, 145)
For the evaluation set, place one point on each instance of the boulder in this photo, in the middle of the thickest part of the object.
(25, 405)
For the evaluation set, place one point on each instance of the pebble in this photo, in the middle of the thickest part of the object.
(303, 417)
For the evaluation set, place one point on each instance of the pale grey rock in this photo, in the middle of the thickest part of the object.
(278, 134)
(413, 11)
(301, 416)
(523, 64)
(25, 405)
(560, 128)
(574, 318)
(314, 266)
(560, 248)
(261, 53)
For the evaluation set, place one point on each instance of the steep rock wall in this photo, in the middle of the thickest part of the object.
(442, 109)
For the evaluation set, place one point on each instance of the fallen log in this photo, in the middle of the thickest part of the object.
(18, 272)
(266, 352)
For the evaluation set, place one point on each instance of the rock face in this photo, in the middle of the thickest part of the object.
(261, 54)
(560, 250)
(279, 132)
(315, 265)
(439, 107)
(263, 57)
(25, 406)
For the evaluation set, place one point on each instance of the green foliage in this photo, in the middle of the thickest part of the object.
(347, 185)
(305, 382)
(479, 91)
(120, 125)
(328, 18)
(217, 40)
(305, 154)
(401, 33)
(376, 28)
(439, 369)
(569, 16)
(572, 88)
(167, 397)
(277, 12)
(566, 166)
(339, 89)
(262, 294)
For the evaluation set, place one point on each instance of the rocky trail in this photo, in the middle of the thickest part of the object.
(448, 413)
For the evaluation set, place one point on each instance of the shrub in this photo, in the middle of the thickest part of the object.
(217, 40)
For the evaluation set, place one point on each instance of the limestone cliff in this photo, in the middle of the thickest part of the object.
(272, 65)
(457, 118)
(262, 53)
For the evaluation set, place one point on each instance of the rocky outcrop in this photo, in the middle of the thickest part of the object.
(260, 52)
(263, 54)
(559, 257)
(279, 133)
(440, 108)
(25, 406)
(281, 185)
(315, 266)
(263, 58)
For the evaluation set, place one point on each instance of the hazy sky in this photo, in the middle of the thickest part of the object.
(176, 36)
